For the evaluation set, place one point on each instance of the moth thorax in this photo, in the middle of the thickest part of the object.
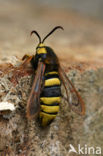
(41, 49)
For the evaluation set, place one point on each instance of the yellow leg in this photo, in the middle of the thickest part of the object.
(27, 59)
(25, 56)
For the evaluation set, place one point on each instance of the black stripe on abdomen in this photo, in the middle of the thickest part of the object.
(49, 76)
(53, 91)
(53, 104)
(50, 113)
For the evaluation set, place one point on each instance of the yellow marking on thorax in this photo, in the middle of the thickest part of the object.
(52, 82)
(50, 109)
(50, 100)
(51, 73)
(41, 50)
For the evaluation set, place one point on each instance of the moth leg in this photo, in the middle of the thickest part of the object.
(8, 67)
(26, 56)
(27, 59)
(22, 69)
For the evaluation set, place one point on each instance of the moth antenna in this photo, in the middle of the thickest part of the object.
(57, 27)
(35, 32)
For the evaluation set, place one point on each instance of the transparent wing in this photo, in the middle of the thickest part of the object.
(33, 103)
(73, 97)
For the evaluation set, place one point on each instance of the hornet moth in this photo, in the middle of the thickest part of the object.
(45, 96)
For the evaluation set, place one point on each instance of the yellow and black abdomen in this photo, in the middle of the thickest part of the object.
(50, 98)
